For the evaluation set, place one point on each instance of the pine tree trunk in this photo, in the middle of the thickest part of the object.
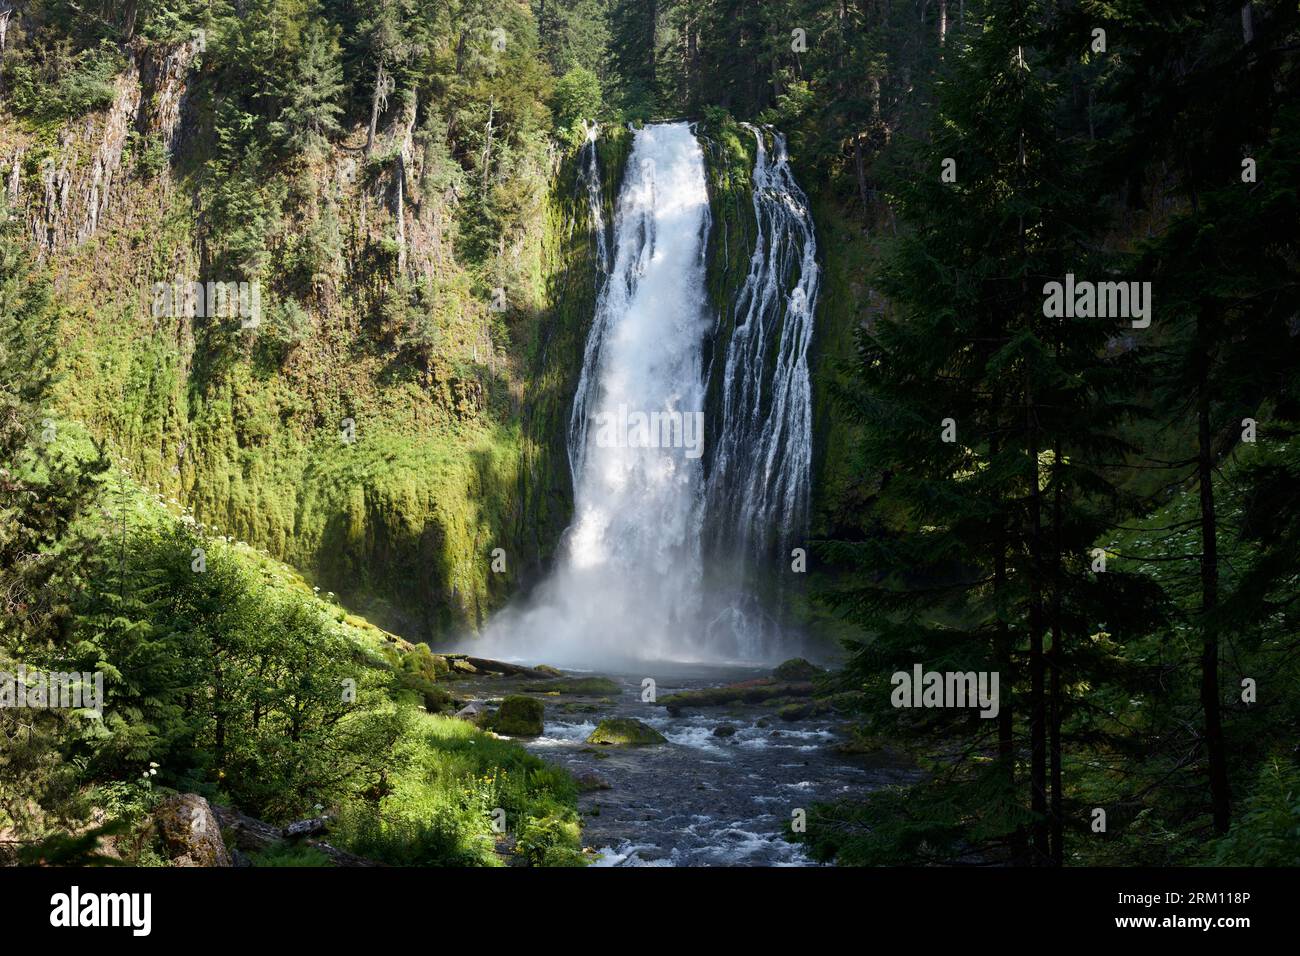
(1054, 664)
(1002, 639)
(1037, 712)
(381, 80)
(1215, 749)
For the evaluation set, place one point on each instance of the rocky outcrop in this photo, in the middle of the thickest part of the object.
(75, 187)
(625, 732)
(189, 831)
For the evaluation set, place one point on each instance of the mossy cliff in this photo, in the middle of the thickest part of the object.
(387, 465)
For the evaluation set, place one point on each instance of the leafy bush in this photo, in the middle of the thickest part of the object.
(1267, 830)
(57, 84)
(577, 98)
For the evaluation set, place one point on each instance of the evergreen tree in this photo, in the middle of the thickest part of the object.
(43, 493)
(991, 422)
(1200, 91)
(311, 94)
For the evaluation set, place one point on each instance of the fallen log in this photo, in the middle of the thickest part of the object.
(302, 828)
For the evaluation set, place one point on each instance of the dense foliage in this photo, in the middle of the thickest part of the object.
(1102, 512)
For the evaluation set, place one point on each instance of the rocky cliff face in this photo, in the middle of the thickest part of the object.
(66, 187)
(388, 474)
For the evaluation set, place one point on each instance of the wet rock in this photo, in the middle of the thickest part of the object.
(795, 711)
(625, 731)
(724, 730)
(472, 711)
(591, 781)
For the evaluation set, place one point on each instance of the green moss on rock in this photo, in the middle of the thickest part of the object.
(796, 669)
(520, 717)
(590, 686)
(624, 732)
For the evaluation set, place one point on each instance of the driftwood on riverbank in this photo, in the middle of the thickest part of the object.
(251, 835)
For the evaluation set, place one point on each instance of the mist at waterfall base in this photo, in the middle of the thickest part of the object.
(668, 549)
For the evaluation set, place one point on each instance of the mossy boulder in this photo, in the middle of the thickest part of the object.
(796, 669)
(582, 686)
(625, 732)
(519, 717)
(189, 831)
(795, 711)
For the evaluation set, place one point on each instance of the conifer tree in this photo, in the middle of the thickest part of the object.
(990, 422)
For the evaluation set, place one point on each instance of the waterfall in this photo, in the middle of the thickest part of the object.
(760, 460)
(630, 579)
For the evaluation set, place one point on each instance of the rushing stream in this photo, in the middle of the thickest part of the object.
(700, 799)
(685, 516)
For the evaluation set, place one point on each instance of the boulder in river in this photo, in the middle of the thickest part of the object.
(625, 731)
(724, 730)
(519, 716)
(591, 781)
(796, 669)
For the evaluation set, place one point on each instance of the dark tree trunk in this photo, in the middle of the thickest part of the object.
(1054, 664)
(1215, 749)
(1037, 713)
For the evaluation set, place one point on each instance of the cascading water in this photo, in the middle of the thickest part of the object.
(761, 454)
(629, 583)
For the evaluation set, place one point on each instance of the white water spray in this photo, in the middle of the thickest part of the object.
(629, 581)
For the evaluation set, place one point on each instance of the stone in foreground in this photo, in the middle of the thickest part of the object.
(519, 717)
(189, 831)
(625, 731)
